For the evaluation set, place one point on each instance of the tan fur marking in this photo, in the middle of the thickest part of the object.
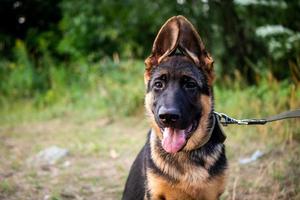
(211, 159)
(209, 190)
(158, 186)
(199, 137)
(146, 76)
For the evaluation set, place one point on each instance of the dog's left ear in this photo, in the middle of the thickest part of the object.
(178, 32)
(191, 43)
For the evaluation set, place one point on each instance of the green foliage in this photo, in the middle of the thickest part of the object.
(127, 28)
(123, 88)
(17, 78)
(267, 98)
(119, 86)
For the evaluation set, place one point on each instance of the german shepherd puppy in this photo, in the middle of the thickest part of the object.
(184, 156)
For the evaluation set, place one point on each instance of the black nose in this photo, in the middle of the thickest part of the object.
(168, 115)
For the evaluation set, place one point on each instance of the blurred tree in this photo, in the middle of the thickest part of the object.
(19, 17)
(246, 36)
(124, 27)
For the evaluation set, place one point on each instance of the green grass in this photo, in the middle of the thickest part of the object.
(102, 89)
(7, 187)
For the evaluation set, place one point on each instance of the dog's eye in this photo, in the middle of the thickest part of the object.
(190, 85)
(158, 85)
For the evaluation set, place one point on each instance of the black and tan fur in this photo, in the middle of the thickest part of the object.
(179, 74)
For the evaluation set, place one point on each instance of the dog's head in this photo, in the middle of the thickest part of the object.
(179, 77)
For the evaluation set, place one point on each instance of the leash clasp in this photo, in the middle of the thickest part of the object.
(225, 120)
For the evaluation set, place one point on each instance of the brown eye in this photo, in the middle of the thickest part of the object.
(190, 85)
(158, 84)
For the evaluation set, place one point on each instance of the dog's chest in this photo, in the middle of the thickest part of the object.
(191, 187)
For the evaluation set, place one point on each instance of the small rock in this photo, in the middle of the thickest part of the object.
(48, 156)
(256, 155)
(69, 193)
(87, 189)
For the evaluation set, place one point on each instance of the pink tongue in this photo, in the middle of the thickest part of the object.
(173, 140)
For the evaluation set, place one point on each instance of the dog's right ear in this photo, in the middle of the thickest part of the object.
(164, 43)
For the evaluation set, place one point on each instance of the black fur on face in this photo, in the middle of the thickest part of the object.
(176, 86)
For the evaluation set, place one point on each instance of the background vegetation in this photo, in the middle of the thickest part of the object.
(71, 75)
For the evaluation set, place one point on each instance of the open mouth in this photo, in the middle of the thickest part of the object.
(175, 139)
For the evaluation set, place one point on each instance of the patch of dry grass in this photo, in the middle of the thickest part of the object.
(101, 152)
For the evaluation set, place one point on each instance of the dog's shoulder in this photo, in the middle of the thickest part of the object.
(136, 181)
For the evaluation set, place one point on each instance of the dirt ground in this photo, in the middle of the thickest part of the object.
(101, 152)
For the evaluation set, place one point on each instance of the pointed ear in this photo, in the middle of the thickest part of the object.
(190, 41)
(164, 43)
(179, 32)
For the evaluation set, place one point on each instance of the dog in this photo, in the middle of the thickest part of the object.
(184, 156)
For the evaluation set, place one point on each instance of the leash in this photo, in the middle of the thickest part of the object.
(225, 119)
